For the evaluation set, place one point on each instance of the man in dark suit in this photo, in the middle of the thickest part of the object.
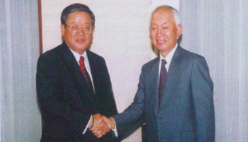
(175, 91)
(73, 84)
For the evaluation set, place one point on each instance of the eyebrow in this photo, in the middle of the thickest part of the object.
(87, 23)
(161, 24)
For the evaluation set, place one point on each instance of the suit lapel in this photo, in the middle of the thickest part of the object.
(95, 71)
(153, 80)
(75, 71)
(93, 67)
(172, 77)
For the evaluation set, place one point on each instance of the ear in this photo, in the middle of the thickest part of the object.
(93, 29)
(62, 29)
(179, 30)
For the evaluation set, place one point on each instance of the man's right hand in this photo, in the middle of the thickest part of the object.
(98, 126)
(104, 122)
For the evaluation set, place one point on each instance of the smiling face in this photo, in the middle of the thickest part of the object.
(77, 40)
(164, 32)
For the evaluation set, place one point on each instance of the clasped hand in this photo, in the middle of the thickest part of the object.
(101, 125)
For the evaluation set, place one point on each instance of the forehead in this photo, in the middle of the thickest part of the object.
(162, 16)
(79, 16)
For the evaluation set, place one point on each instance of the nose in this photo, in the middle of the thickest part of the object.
(81, 31)
(159, 32)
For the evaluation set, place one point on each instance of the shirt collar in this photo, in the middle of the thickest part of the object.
(77, 56)
(168, 58)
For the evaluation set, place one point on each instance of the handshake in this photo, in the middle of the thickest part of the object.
(100, 125)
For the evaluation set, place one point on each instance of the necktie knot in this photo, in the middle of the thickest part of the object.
(81, 60)
(164, 62)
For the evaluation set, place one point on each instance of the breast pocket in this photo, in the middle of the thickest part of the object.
(188, 136)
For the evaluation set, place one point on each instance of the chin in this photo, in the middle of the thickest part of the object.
(162, 48)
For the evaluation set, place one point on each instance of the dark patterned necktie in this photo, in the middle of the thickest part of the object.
(85, 73)
(163, 76)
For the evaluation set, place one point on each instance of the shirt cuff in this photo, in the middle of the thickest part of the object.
(85, 129)
(115, 129)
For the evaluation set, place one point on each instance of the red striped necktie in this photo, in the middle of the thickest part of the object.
(84, 71)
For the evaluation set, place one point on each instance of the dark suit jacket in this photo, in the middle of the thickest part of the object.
(186, 113)
(65, 101)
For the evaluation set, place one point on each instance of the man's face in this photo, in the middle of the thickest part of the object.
(77, 39)
(164, 32)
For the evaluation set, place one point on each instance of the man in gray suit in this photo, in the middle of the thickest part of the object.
(175, 91)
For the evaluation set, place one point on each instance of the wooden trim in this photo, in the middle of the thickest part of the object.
(40, 26)
(40, 39)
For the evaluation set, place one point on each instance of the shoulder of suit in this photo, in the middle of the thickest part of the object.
(188, 55)
(53, 51)
(53, 55)
(151, 63)
(94, 55)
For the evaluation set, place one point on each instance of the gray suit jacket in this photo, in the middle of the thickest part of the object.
(186, 113)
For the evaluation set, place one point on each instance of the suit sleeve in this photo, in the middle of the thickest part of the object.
(132, 117)
(51, 98)
(202, 90)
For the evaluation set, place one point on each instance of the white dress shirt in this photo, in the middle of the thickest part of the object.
(87, 67)
(168, 59)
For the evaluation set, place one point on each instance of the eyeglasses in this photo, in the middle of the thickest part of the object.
(77, 28)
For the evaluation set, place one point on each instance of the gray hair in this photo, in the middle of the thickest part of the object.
(175, 12)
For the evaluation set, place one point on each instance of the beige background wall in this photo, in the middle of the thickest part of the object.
(121, 36)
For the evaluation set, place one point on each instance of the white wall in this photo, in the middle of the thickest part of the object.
(121, 36)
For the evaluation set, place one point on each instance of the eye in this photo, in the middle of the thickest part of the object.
(87, 28)
(164, 28)
(154, 28)
(75, 27)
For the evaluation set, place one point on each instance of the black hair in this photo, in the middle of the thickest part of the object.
(76, 7)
